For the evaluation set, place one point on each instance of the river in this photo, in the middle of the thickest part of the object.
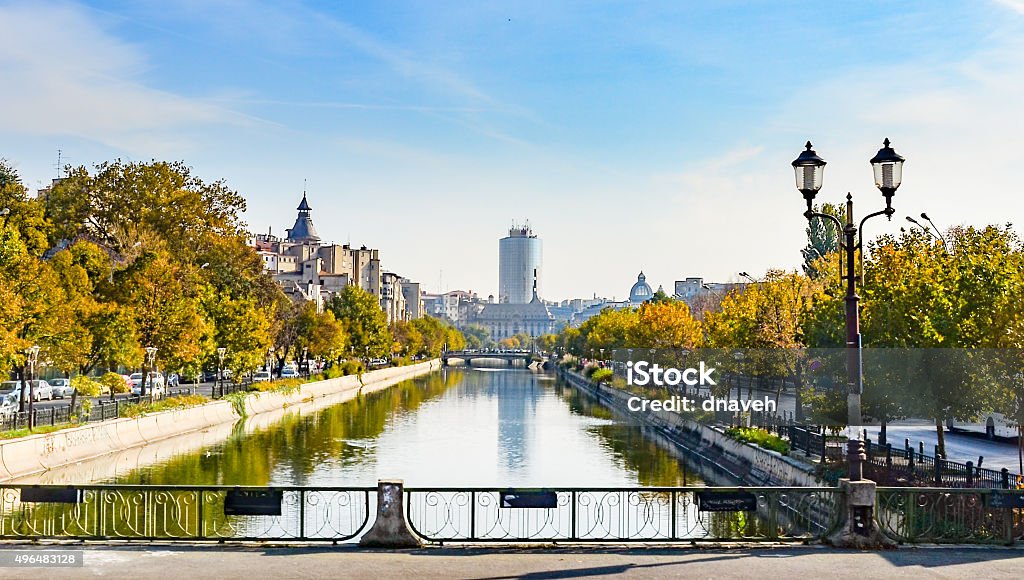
(455, 427)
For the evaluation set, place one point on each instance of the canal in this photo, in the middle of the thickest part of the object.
(455, 427)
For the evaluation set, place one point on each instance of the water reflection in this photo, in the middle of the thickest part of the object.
(457, 427)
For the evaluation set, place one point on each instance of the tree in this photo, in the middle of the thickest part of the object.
(477, 336)
(242, 327)
(163, 298)
(365, 323)
(320, 333)
(771, 318)
(822, 238)
(122, 202)
(921, 294)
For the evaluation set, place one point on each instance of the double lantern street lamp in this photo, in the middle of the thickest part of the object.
(221, 351)
(31, 358)
(888, 169)
(150, 369)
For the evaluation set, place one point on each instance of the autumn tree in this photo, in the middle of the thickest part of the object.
(365, 323)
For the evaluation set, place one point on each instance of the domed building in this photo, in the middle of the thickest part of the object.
(641, 291)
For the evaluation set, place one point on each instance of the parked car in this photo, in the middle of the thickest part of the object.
(172, 380)
(40, 389)
(8, 406)
(155, 384)
(61, 388)
(10, 388)
(261, 377)
(289, 373)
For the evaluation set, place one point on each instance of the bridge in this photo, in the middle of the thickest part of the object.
(511, 356)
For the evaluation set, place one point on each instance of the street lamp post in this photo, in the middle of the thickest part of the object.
(32, 356)
(270, 362)
(150, 363)
(221, 351)
(887, 166)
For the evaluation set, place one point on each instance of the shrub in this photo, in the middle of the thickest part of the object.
(589, 370)
(170, 403)
(759, 437)
(602, 375)
(352, 367)
(333, 373)
(114, 382)
(87, 387)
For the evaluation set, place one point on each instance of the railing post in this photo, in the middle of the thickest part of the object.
(938, 468)
(472, 514)
(572, 515)
(201, 531)
(302, 514)
(888, 455)
(970, 474)
(1006, 478)
(672, 512)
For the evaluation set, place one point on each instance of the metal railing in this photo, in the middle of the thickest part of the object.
(950, 516)
(915, 467)
(221, 388)
(624, 515)
(102, 410)
(131, 512)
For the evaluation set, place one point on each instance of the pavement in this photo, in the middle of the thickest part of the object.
(492, 563)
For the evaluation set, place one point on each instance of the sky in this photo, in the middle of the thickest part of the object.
(652, 136)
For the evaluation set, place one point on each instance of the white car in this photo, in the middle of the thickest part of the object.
(261, 377)
(154, 385)
(8, 406)
(289, 373)
(40, 390)
(61, 388)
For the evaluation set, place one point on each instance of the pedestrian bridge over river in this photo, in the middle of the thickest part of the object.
(510, 356)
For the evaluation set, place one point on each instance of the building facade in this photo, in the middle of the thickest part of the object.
(308, 269)
(519, 265)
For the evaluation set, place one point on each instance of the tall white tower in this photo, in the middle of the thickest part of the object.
(519, 261)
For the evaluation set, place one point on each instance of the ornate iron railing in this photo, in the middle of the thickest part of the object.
(950, 516)
(132, 512)
(623, 515)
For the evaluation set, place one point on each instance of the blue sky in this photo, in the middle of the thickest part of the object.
(640, 135)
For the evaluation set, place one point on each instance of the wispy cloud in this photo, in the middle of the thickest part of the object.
(65, 75)
(1016, 5)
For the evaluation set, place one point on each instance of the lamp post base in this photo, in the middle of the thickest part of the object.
(859, 531)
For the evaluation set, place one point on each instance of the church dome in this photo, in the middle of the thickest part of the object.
(641, 291)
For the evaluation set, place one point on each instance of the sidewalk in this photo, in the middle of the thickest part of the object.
(252, 563)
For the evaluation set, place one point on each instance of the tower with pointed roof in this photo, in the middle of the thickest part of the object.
(303, 231)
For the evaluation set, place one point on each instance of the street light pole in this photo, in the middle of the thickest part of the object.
(150, 362)
(221, 351)
(33, 357)
(888, 170)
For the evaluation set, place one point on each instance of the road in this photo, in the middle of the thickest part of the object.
(961, 447)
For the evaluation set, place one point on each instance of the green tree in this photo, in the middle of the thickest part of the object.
(365, 323)
(822, 238)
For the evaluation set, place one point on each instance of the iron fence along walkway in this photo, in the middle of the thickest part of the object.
(950, 516)
(194, 513)
(654, 514)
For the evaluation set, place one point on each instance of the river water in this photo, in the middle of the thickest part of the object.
(457, 427)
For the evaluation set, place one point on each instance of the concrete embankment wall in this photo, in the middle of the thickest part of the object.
(742, 463)
(39, 453)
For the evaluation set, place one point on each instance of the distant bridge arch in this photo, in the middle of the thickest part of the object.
(510, 356)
